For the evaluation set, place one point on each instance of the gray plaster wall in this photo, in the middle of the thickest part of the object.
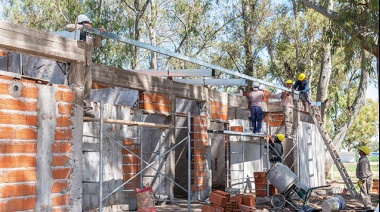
(311, 155)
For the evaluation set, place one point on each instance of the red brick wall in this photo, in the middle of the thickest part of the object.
(274, 119)
(199, 146)
(219, 111)
(18, 144)
(131, 166)
(154, 102)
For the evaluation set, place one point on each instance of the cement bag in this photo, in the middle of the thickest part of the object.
(145, 199)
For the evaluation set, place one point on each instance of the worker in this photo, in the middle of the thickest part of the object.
(275, 148)
(364, 174)
(287, 105)
(255, 99)
(302, 85)
(90, 43)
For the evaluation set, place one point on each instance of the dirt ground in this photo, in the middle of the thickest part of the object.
(263, 203)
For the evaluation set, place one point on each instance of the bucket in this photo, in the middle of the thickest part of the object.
(281, 177)
(334, 204)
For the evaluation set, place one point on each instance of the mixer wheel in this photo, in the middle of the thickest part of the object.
(278, 201)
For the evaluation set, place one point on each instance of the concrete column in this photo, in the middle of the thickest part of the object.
(76, 79)
(46, 116)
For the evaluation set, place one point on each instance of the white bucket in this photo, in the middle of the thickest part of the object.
(334, 204)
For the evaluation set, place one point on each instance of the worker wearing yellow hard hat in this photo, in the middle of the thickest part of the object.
(364, 174)
(287, 106)
(275, 148)
(302, 85)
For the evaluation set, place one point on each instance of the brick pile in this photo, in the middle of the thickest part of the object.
(221, 201)
(154, 103)
(261, 185)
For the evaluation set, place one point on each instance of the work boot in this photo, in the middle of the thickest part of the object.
(89, 113)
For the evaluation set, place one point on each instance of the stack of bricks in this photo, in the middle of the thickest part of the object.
(236, 128)
(274, 119)
(131, 166)
(18, 146)
(199, 147)
(260, 183)
(272, 190)
(375, 187)
(154, 103)
(223, 202)
(219, 111)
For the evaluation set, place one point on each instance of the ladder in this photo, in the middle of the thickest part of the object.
(314, 112)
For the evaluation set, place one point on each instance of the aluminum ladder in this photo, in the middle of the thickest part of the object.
(314, 112)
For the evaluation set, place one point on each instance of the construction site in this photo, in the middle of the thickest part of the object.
(191, 145)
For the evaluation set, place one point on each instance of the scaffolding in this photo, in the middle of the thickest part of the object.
(262, 137)
(102, 121)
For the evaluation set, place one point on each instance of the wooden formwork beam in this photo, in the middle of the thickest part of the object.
(38, 43)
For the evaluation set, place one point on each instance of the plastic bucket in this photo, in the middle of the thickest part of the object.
(334, 204)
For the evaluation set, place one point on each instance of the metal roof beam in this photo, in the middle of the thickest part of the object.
(178, 72)
(181, 57)
(218, 82)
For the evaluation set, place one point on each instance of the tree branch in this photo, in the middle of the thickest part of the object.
(368, 44)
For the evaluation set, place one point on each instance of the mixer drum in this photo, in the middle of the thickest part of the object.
(281, 177)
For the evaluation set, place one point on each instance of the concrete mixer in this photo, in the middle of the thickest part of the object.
(287, 184)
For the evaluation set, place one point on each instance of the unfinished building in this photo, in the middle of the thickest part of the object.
(54, 159)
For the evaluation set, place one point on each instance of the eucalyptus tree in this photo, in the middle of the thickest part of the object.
(365, 126)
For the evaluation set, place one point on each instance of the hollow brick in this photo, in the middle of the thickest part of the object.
(21, 147)
(16, 104)
(17, 161)
(65, 109)
(7, 191)
(58, 187)
(61, 173)
(18, 204)
(23, 175)
(61, 147)
(60, 199)
(60, 160)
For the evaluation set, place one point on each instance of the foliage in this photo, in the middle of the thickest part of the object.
(364, 127)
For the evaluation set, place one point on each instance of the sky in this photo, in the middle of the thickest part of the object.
(372, 92)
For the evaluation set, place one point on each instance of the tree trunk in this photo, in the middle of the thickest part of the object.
(324, 80)
(247, 11)
(354, 111)
(152, 35)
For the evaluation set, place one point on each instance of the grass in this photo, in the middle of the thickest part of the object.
(351, 169)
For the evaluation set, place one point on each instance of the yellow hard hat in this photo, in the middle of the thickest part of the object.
(301, 76)
(280, 137)
(289, 81)
(364, 149)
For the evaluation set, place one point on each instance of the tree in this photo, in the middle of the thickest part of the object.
(365, 126)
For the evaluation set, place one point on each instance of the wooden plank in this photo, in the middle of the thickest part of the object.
(20, 39)
(129, 123)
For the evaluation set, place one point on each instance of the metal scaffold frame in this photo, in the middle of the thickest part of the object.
(142, 161)
(229, 133)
